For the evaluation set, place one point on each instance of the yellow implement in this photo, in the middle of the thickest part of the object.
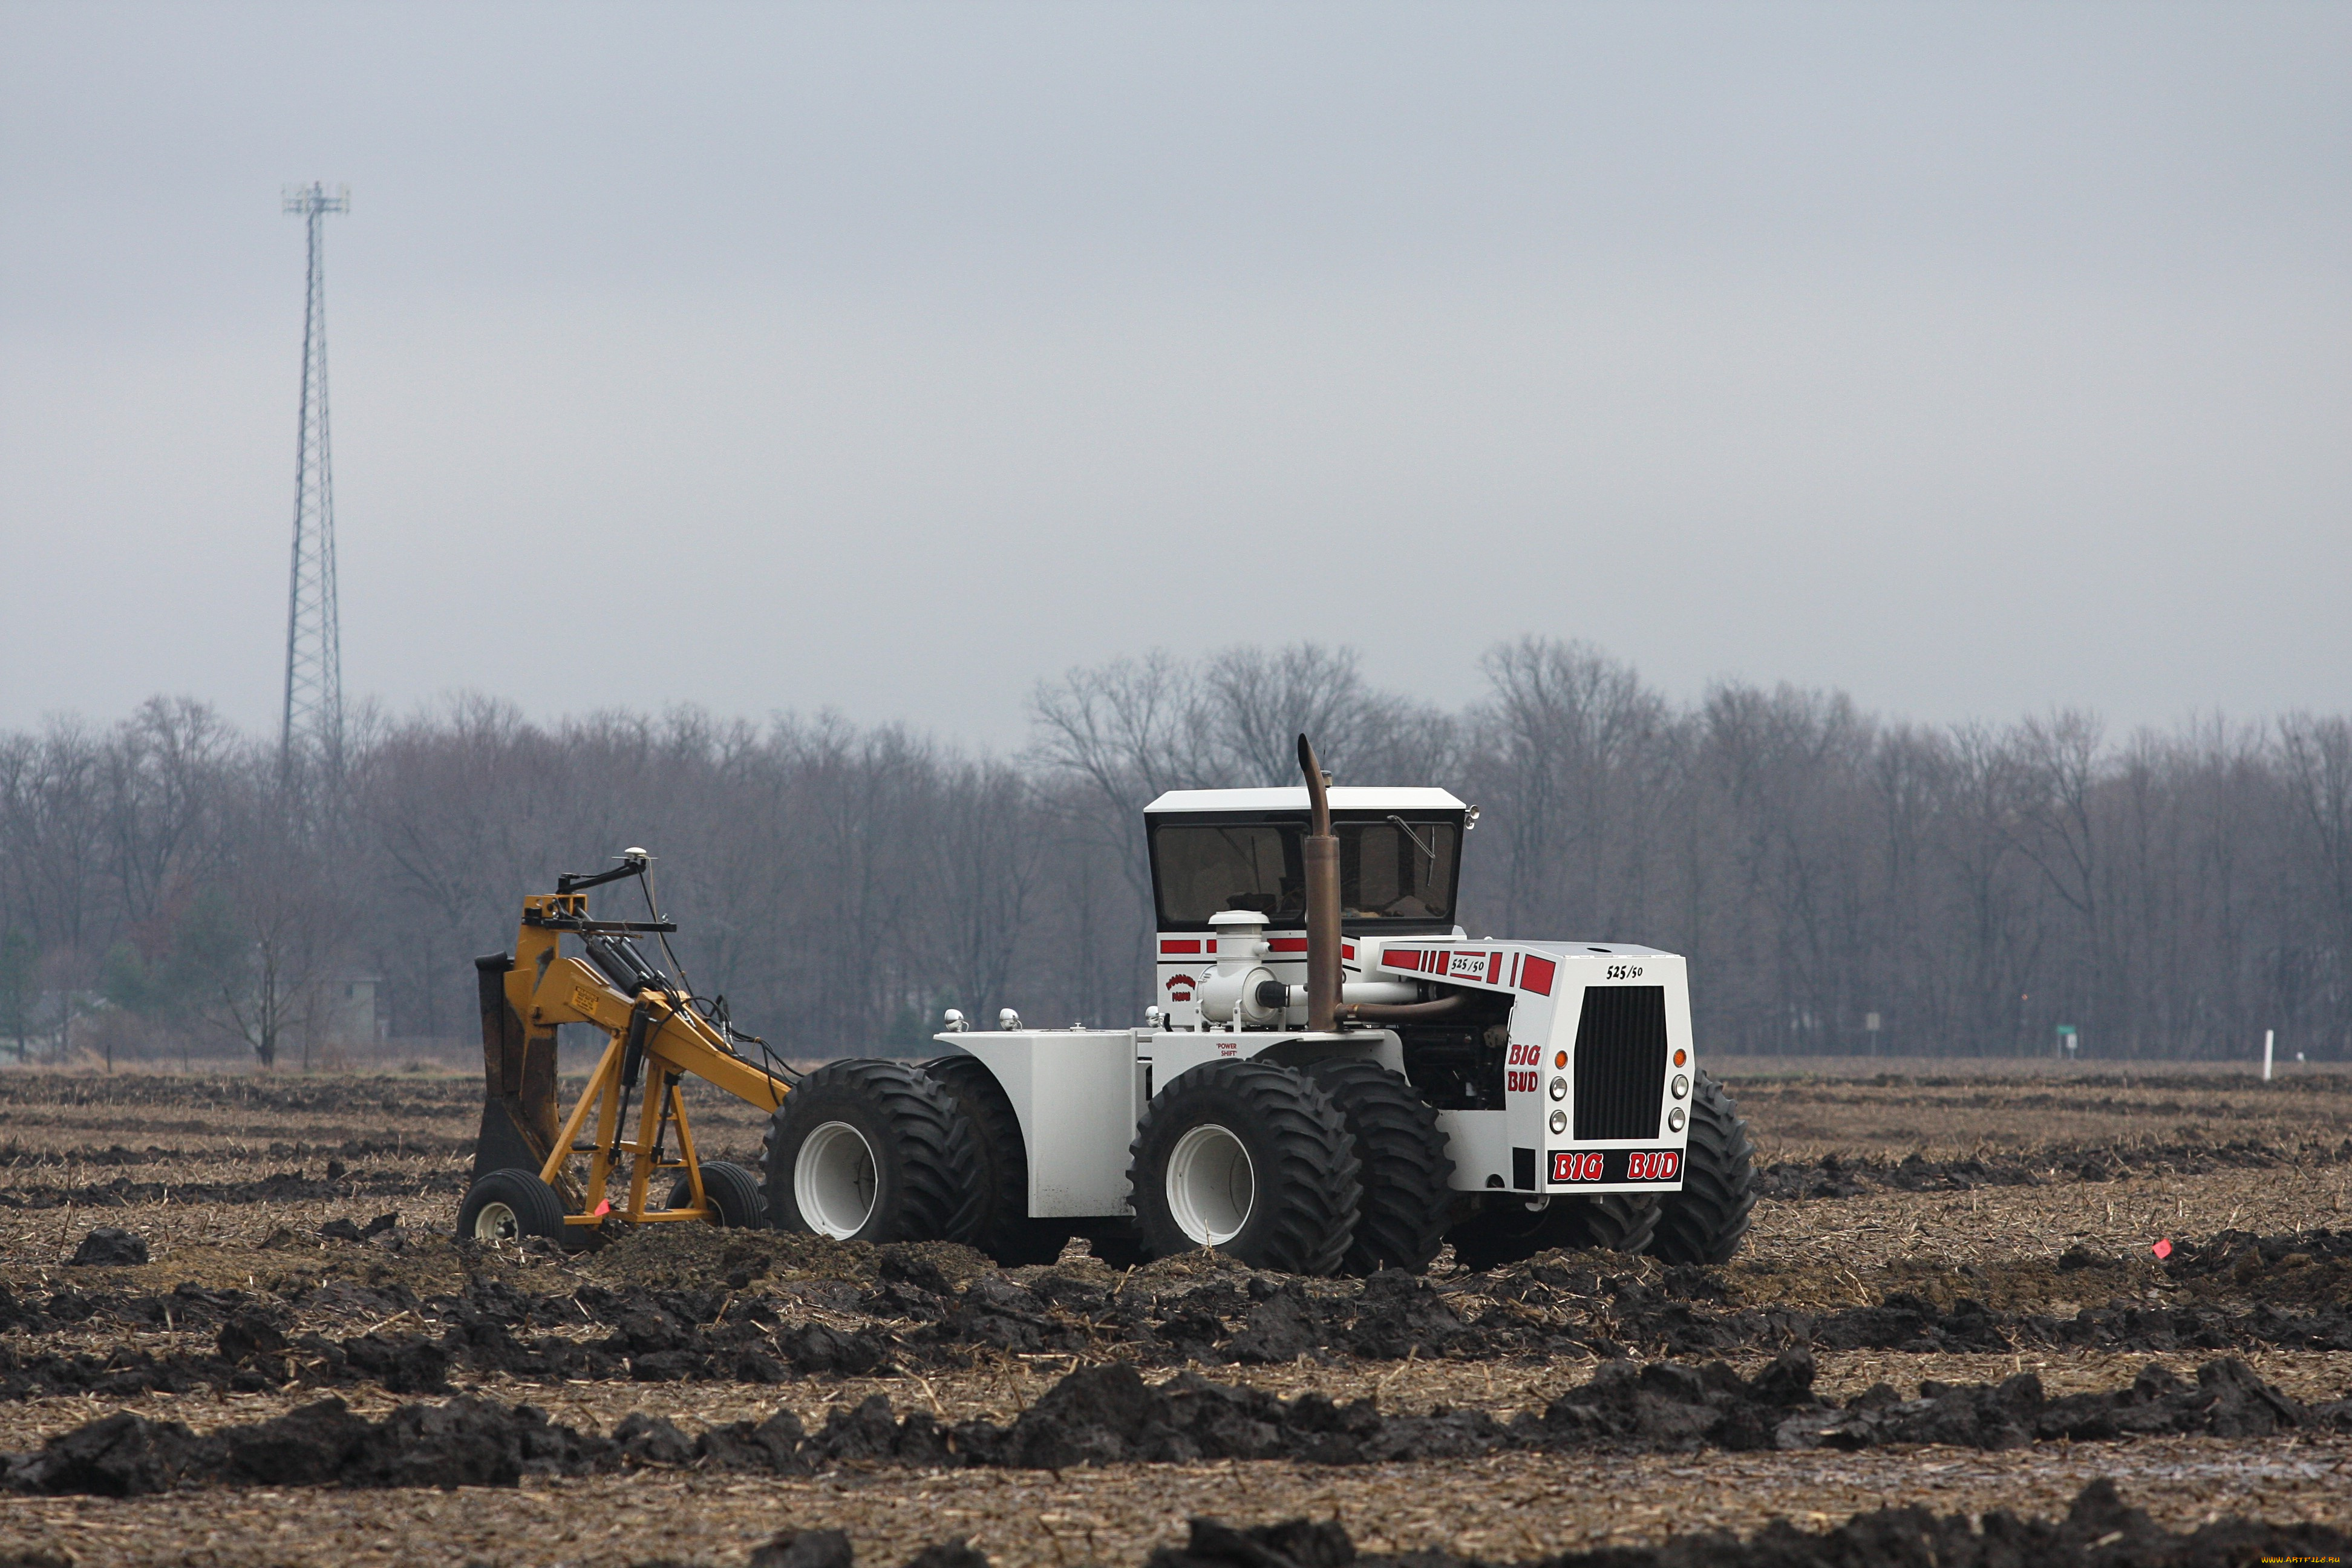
(656, 1035)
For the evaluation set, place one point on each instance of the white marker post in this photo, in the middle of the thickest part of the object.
(2268, 1036)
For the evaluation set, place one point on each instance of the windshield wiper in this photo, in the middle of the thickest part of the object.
(1406, 827)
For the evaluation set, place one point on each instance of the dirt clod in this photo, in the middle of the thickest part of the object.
(2098, 1530)
(804, 1549)
(1107, 1415)
(111, 1247)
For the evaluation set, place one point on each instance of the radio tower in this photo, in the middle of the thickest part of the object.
(312, 733)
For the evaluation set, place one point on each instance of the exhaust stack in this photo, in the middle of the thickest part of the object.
(1320, 853)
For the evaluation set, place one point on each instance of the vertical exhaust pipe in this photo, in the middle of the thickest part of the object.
(1320, 852)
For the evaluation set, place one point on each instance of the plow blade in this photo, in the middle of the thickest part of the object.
(520, 1115)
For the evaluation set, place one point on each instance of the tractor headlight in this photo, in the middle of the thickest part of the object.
(1560, 1088)
(1559, 1122)
(1681, 1086)
(1675, 1120)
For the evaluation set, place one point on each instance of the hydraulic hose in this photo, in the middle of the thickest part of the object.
(1401, 1012)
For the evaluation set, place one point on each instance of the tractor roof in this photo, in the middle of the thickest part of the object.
(1293, 797)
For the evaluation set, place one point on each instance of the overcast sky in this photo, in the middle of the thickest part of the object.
(1972, 358)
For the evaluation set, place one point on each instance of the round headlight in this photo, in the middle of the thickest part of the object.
(1675, 1120)
(1559, 1122)
(1560, 1088)
(1681, 1086)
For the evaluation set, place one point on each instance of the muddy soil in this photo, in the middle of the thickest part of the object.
(2099, 1527)
(1107, 1415)
(1964, 1263)
(783, 1310)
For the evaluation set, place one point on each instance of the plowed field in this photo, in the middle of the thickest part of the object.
(1952, 1300)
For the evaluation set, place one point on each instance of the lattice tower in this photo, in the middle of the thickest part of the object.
(312, 731)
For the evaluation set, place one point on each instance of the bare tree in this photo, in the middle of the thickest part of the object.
(2057, 829)
(2173, 894)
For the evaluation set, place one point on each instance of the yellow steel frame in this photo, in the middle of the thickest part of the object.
(546, 989)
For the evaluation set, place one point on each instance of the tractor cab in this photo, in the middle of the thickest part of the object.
(1228, 852)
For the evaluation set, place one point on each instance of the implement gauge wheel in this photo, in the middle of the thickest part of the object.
(872, 1151)
(734, 1193)
(1707, 1220)
(506, 1205)
(1252, 1159)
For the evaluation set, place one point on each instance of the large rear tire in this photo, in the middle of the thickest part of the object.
(872, 1151)
(1707, 1220)
(508, 1205)
(1505, 1230)
(1401, 1223)
(1252, 1159)
(734, 1193)
(1004, 1229)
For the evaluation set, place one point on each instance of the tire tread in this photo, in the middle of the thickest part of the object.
(1707, 1220)
(1320, 1191)
(939, 1165)
(1003, 1228)
(1405, 1170)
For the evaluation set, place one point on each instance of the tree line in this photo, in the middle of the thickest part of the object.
(166, 888)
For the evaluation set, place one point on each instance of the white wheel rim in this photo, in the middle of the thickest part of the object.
(832, 1181)
(1212, 1186)
(496, 1222)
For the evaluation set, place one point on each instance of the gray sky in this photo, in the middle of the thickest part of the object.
(1972, 359)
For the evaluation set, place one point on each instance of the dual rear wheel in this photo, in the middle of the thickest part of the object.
(1251, 1158)
(873, 1150)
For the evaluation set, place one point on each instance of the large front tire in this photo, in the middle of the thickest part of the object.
(1252, 1159)
(1707, 1220)
(1507, 1231)
(872, 1151)
(1405, 1168)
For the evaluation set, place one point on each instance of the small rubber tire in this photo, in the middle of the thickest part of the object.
(1706, 1221)
(921, 1170)
(510, 1204)
(1299, 1210)
(1507, 1231)
(1004, 1230)
(735, 1200)
(1401, 1223)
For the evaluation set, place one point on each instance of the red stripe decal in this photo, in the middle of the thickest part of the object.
(1167, 946)
(1536, 975)
(1401, 958)
(1493, 966)
(1286, 945)
(1515, 969)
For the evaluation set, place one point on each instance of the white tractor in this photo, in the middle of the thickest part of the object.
(1336, 1076)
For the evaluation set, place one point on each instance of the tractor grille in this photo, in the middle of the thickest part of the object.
(1620, 1061)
